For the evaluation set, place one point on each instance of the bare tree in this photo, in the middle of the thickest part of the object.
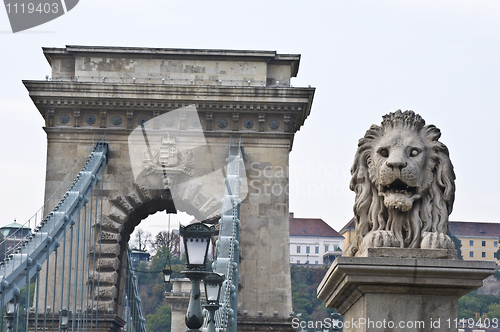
(165, 239)
(142, 239)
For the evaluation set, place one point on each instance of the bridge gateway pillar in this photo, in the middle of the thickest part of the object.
(176, 94)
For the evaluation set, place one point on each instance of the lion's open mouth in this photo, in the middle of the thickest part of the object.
(399, 187)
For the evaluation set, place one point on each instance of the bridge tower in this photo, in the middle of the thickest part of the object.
(176, 94)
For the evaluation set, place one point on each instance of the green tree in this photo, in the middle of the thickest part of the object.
(160, 321)
(472, 303)
(493, 311)
(465, 313)
(152, 288)
(305, 301)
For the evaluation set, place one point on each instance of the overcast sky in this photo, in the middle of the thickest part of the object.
(365, 59)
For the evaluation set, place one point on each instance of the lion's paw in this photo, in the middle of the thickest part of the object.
(379, 239)
(435, 240)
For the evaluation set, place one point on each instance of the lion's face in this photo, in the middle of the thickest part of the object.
(399, 168)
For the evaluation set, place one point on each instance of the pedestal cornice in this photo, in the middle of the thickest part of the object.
(351, 277)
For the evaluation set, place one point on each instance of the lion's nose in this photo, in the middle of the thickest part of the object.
(396, 163)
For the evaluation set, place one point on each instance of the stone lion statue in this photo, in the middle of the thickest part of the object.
(404, 184)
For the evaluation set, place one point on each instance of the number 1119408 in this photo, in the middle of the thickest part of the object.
(471, 323)
(30, 8)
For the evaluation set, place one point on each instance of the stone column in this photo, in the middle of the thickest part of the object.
(178, 299)
(400, 289)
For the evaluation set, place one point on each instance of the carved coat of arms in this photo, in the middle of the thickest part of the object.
(168, 159)
(169, 152)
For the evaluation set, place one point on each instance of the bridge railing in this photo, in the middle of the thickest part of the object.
(14, 240)
(26, 254)
(227, 246)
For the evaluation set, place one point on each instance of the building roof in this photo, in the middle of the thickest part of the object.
(311, 227)
(476, 229)
(348, 226)
(14, 225)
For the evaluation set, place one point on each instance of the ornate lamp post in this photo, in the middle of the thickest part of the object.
(167, 273)
(11, 309)
(196, 243)
(213, 284)
(64, 319)
(336, 319)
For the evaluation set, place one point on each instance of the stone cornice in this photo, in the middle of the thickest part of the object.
(166, 92)
(163, 51)
(49, 96)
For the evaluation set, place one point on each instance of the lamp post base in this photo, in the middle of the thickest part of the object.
(194, 314)
(212, 308)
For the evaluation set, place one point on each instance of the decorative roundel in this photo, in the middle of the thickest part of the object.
(196, 123)
(248, 124)
(274, 124)
(117, 120)
(90, 119)
(170, 122)
(142, 120)
(64, 118)
(222, 123)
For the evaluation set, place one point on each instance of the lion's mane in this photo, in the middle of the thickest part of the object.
(428, 214)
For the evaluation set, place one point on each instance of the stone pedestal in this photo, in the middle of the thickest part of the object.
(178, 299)
(406, 294)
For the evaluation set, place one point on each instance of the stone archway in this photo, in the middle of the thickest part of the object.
(125, 212)
(243, 94)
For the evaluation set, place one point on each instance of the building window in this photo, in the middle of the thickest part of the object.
(308, 250)
(483, 254)
(316, 250)
(326, 248)
(471, 254)
(298, 250)
(471, 243)
(495, 244)
(316, 262)
(298, 261)
(483, 243)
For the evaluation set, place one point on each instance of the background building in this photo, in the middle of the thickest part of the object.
(11, 236)
(479, 239)
(311, 240)
(137, 256)
(348, 232)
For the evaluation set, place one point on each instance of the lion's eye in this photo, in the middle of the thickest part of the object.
(414, 153)
(384, 153)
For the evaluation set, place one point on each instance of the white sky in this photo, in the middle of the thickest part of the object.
(365, 58)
